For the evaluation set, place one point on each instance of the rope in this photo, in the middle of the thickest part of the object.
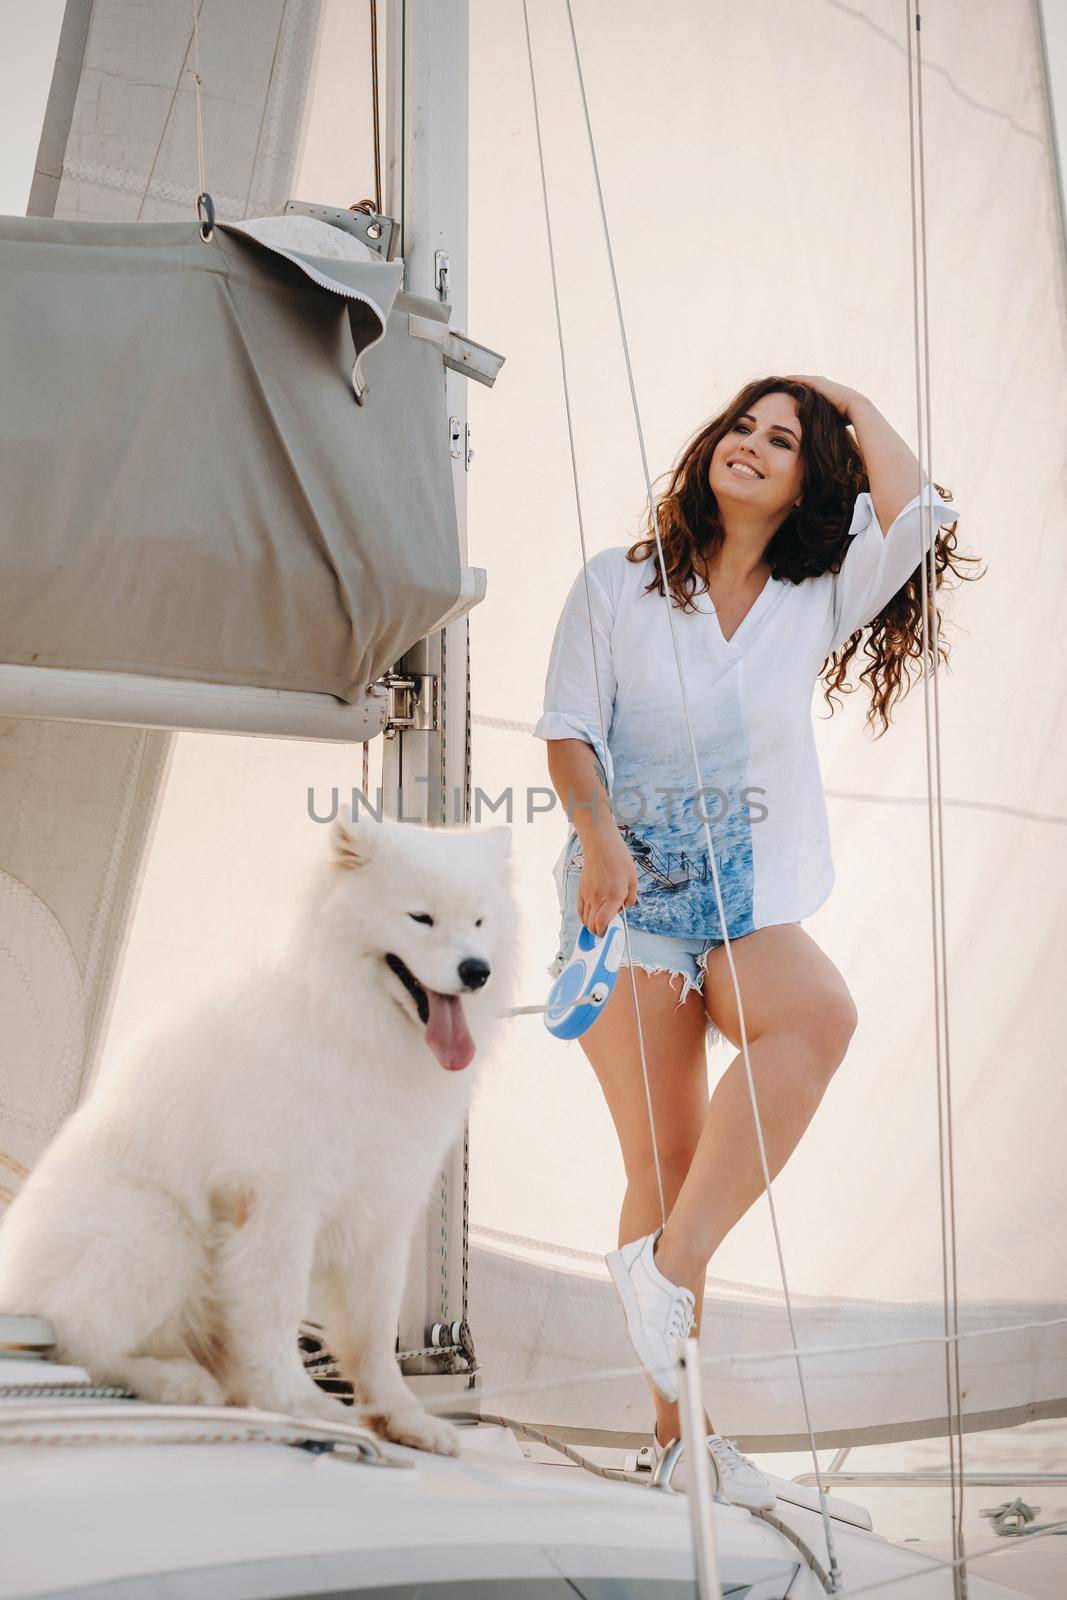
(374, 103)
(834, 1568)
(502, 722)
(588, 599)
(524, 1430)
(200, 183)
(23, 1424)
(804, 1550)
(13, 1166)
(64, 1391)
(956, 1564)
(246, 207)
(440, 1403)
(166, 121)
(935, 816)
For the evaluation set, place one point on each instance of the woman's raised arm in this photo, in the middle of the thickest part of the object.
(892, 467)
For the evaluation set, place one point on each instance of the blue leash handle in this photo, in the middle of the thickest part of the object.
(583, 988)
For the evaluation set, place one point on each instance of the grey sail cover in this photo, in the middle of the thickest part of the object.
(191, 489)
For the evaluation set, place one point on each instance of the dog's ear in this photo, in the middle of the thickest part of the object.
(501, 838)
(353, 846)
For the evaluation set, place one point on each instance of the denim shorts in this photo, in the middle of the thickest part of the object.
(682, 958)
(653, 953)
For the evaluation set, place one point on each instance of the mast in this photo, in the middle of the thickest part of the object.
(426, 769)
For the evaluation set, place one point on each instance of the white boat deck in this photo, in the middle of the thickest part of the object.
(129, 1519)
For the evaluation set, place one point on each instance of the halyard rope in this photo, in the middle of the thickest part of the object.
(588, 599)
(935, 818)
(200, 183)
(654, 513)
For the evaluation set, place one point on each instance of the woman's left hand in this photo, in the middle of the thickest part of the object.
(838, 395)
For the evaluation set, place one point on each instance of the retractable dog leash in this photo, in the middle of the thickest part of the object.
(582, 989)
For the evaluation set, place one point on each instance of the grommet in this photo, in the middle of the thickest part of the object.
(205, 210)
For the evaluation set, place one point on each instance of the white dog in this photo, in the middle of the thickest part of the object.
(282, 1139)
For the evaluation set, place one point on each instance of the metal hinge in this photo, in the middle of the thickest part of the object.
(442, 260)
(459, 442)
(413, 702)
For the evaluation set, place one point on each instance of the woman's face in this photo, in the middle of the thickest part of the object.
(758, 462)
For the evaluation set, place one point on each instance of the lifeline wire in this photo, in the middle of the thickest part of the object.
(588, 597)
(935, 820)
(528, 1386)
(831, 1554)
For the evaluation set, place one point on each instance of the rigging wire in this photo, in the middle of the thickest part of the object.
(835, 1575)
(166, 120)
(200, 184)
(935, 816)
(247, 205)
(205, 205)
(378, 207)
(588, 599)
(438, 1404)
(835, 1572)
(374, 104)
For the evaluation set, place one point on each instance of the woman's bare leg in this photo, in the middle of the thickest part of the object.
(676, 1052)
(799, 1018)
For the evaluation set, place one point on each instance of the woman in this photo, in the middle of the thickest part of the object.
(772, 528)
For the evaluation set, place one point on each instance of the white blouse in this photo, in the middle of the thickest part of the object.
(750, 700)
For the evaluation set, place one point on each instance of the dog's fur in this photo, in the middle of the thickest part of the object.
(280, 1140)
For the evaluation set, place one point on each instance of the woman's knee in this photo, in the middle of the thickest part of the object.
(824, 1030)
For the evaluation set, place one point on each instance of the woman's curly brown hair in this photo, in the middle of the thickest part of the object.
(812, 540)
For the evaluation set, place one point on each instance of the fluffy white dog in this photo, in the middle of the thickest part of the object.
(280, 1142)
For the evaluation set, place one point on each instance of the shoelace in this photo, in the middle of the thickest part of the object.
(681, 1317)
(729, 1455)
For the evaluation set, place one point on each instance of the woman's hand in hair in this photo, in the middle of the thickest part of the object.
(839, 396)
(892, 468)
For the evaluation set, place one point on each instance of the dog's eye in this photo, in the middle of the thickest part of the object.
(478, 921)
(421, 916)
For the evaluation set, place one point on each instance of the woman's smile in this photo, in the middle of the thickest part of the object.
(762, 450)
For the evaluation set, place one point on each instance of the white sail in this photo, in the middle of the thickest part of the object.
(119, 138)
(755, 166)
(761, 223)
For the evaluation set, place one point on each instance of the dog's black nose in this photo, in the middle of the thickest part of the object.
(473, 972)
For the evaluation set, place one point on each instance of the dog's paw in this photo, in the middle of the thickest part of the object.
(412, 1426)
(168, 1383)
(311, 1403)
(196, 1388)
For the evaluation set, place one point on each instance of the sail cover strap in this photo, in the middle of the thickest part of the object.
(190, 491)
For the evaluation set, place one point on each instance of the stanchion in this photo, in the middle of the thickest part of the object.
(695, 1444)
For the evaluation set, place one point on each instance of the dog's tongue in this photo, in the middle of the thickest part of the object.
(447, 1033)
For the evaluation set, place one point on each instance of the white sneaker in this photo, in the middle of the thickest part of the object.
(659, 1314)
(739, 1480)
